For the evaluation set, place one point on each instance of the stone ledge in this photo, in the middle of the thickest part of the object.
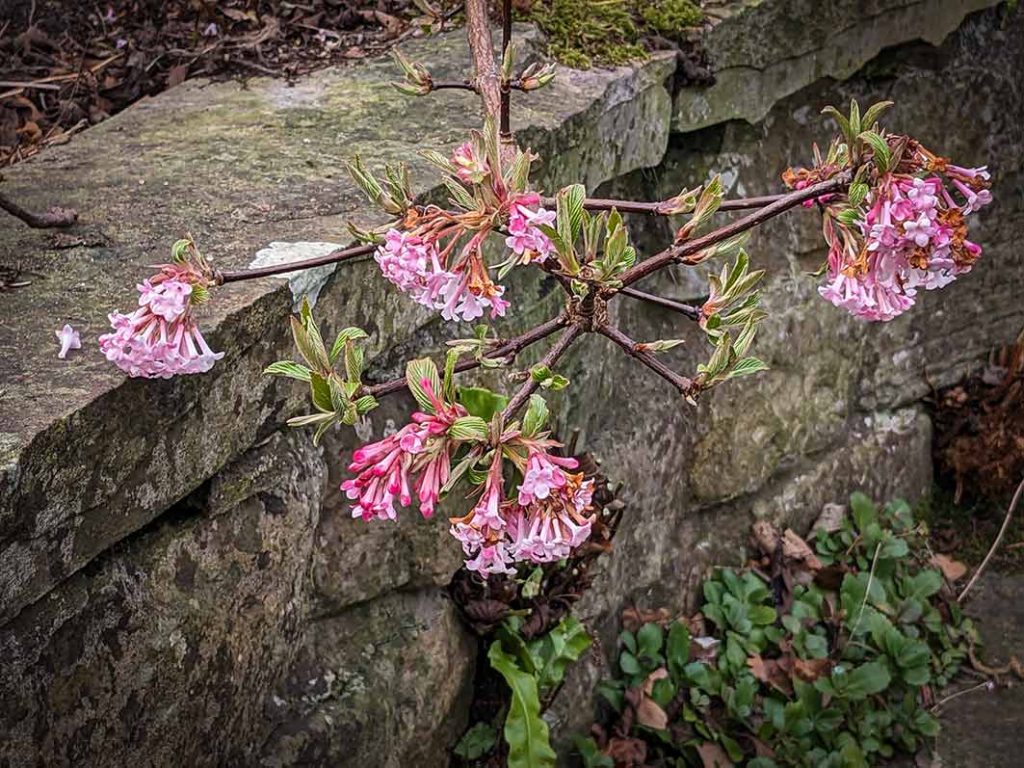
(763, 51)
(89, 456)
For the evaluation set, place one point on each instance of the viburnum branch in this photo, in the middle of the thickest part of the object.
(688, 310)
(508, 349)
(656, 208)
(530, 386)
(683, 384)
(758, 217)
(342, 254)
(466, 85)
(505, 126)
(441, 85)
(54, 218)
(478, 32)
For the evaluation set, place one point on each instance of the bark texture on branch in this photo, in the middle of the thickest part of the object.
(55, 217)
(478, 32)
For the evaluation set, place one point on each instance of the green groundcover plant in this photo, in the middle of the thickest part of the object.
(831, 661)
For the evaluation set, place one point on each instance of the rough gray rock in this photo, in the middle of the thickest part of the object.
(163, 649)
(181, 582)
(763, 51)
(981, 729)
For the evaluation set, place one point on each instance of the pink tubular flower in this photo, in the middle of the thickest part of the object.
(525, 238)
(549, 528)
(161, 339)
(416, 459)
(492, 558)
(544, 474)
(548, 519)
(414, 266)
(912, 235)
(69, 339)
(482, 531)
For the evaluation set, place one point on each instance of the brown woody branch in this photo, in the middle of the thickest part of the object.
(505, 126)
(770, 211)
(530, 386)
(487, 80)
(654, 209)
(54, 218)
(466, 85)
(507, 350)
(342, 254)
(680, 382)
(688, 310)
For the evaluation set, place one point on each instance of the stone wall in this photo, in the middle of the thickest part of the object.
(179, 579)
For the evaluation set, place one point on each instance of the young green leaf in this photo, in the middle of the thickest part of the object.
(420, 375)
(468, 429)
(525, 731)
(481, 402)
(289, 369)
(536, 416)
(476, 742)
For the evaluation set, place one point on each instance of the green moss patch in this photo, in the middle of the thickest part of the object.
(584, 33)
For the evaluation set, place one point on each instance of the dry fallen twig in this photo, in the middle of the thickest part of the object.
(995, 544)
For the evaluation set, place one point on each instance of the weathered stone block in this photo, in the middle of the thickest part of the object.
(386, 683)
(161, 651)
(761, 51)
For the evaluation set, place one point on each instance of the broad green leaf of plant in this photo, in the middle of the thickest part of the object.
(526, 733)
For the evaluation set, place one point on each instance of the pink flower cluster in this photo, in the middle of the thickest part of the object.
(414, 266)
(417, 459)
(525, 238)
(912, 235)
(548, 519)
(160, 339)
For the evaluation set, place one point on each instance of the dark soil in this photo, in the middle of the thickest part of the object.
(979, 461)
(68, 64)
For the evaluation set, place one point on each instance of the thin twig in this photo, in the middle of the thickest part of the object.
(988, 685)
(684, 309)
(507, 350)
(31, 85)
(505, 129)
(342, 254)
(441, 85)
(770, 211)
(995, 544)
(530, 386)
(654, 209)
(54, 218)
(867, 590)
(680, 382)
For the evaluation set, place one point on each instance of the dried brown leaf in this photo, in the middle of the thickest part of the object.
(951, 569)
(795, 548)
(810, 670)
(627, 752)
(766, 536)
(773, 672)
(176, 75)
(648, 711)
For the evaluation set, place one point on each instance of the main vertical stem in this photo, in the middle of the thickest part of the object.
(478, 32)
